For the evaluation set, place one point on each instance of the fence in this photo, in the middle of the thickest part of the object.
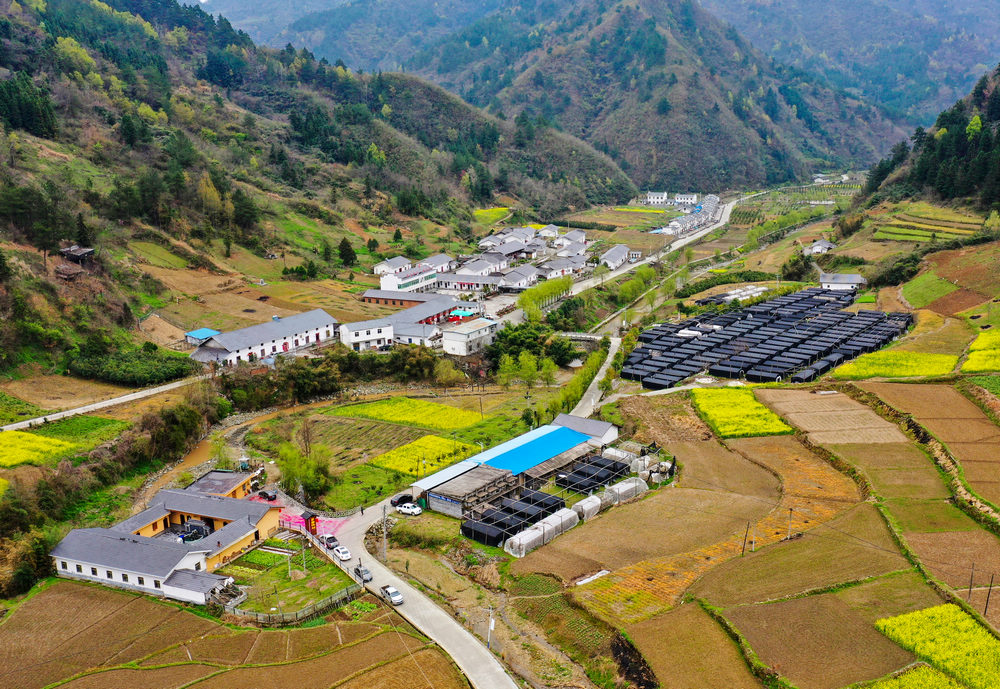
(281, 619)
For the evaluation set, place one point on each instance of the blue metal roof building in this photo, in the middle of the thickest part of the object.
(532, 448)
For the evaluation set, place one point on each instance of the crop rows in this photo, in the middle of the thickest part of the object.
(950, 640)
(736, 413)
(423, 456)
(896, 364)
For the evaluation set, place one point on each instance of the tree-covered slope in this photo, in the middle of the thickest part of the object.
(160, 135)
(957, 158)
(677, 97)
(911, 58)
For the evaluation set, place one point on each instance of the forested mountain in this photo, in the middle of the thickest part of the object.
(674, 95)
(364, 34)
(147, 120)
(957, 158)
(911, 58)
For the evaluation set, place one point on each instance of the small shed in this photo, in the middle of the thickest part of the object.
(200, 336)
(482, 533)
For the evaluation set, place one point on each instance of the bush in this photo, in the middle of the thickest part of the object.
(725, 279)
(134, 368)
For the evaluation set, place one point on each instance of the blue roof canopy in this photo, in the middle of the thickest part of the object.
(202, 333)
(533, 448)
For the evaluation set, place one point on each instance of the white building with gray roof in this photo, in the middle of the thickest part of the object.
(276, 336)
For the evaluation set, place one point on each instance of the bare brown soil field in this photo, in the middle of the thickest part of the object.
(889, 300)
(271, 646)
(676, 521)
(61, 392)
(925, 516)
(804, 475)
(950, 555)
(976, 267)
(710, 466)
(831, 418)
(426, 669)
(180, 626)
(888, 596)
(818, 642)
(157, 330)
(318, 673)
(853, 546)
(303, 643)
(687, 649)
(664, 419)
(956, 302)
(895, 470)
(231, 649)
(156, 678)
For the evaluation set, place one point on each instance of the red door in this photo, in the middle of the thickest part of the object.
(284, 346)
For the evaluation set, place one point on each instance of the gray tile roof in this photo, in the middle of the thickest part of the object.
(115, 550)
(419, 312)
(220, 539)
(478, 265)
(396, 262)
(615, 254)
(211, 506)
(437, 260)
(254, 335)
(470, 279)
(396, 294)
(217, 481)
(591, 427)
(190, 580)
(368, 325)
(413, 330)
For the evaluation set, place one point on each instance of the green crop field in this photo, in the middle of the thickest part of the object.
(490, 216)
(925, 288)
(13, 409)
(736, 413)
(896, 364)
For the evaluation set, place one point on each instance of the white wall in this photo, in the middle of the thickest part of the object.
(148, 584)
(367, 338)
(305, 338)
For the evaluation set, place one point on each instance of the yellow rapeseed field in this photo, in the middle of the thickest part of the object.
(17, 447)
(424, 455)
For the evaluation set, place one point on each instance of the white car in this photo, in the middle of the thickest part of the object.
(392, 595)
(409, 508)
(342, 553)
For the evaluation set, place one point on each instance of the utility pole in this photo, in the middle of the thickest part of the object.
(789, 524)
(385, 547)
(988, 592)
(753, 540)
(745, 534)
(972, 576)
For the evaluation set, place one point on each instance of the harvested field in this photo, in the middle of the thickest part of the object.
(818, 642)
(664, 419)
(682, 519)
(970, 430)
(891, 595)
(950, 555)
(687, 649)
(231, 649)
(180, 626)
(303, 643)
(61, 392)
(155, 678)
(271, 646)
(831, 418)
(427, 669)
(710, 466)
(956, 302)
(855, 545)
(318, 673)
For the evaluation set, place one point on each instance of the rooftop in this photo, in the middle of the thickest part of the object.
(274, 329)
(190, 580)
(396, 294)
(472, 326)
(843, 278)
(531, 449)
(115, 550)
(202, 333)
(211, 506)
(218, 482)
(396, 262)
(591, 427)
(617, 252)
(470, 481)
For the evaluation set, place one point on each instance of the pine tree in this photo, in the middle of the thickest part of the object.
(346, 251)
(84, 237)
(5, 270)
(397, 236)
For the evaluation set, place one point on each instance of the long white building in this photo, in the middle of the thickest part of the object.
(276, 336)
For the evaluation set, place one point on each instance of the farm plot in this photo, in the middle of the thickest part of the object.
(895, 470)
(13, 409)
(18, 447)
(425, 669)
(687, 649)
(920, 677)
(663, 419)
(153, 678)
(317, 673)
(894, 363)
(951, 555)
(971, 437)
(984, 353)
(831, 418)
(735, 413)
(424, 455)
(818, 642)
(936, 334)
(951, 641)
(411, 412)
(926, 288)
(853, 546)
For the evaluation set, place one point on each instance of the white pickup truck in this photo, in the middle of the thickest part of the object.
(392, 595)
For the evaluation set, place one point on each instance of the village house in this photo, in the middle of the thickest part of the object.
(395, 298)
(170, 548)
(841, 281)
(470, 337)
(277, 336)
(548, 232)
(820, 246)
(520, 278)
(571, 237)
(478, 266)
(439, 262)
(364, 335)
(615, 257)
(469, 284)
(634, 255)
(658, 198)
(396, 264)
(572, 249)
(417, 279)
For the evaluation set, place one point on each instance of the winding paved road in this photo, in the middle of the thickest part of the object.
(483, 669)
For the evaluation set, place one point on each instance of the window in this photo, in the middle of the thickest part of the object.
(79, 568)
(356, 334)
(93, 571)
(142, 582)
(64, 565)
(296, 342)
(156, 525)
(368, 332)
(124, 576)
(379, 331)
(197, 566)
(274, 349)
(111, 575)
(156, 583)
(263, 353)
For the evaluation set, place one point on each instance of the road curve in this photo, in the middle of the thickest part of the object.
(483, 669)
